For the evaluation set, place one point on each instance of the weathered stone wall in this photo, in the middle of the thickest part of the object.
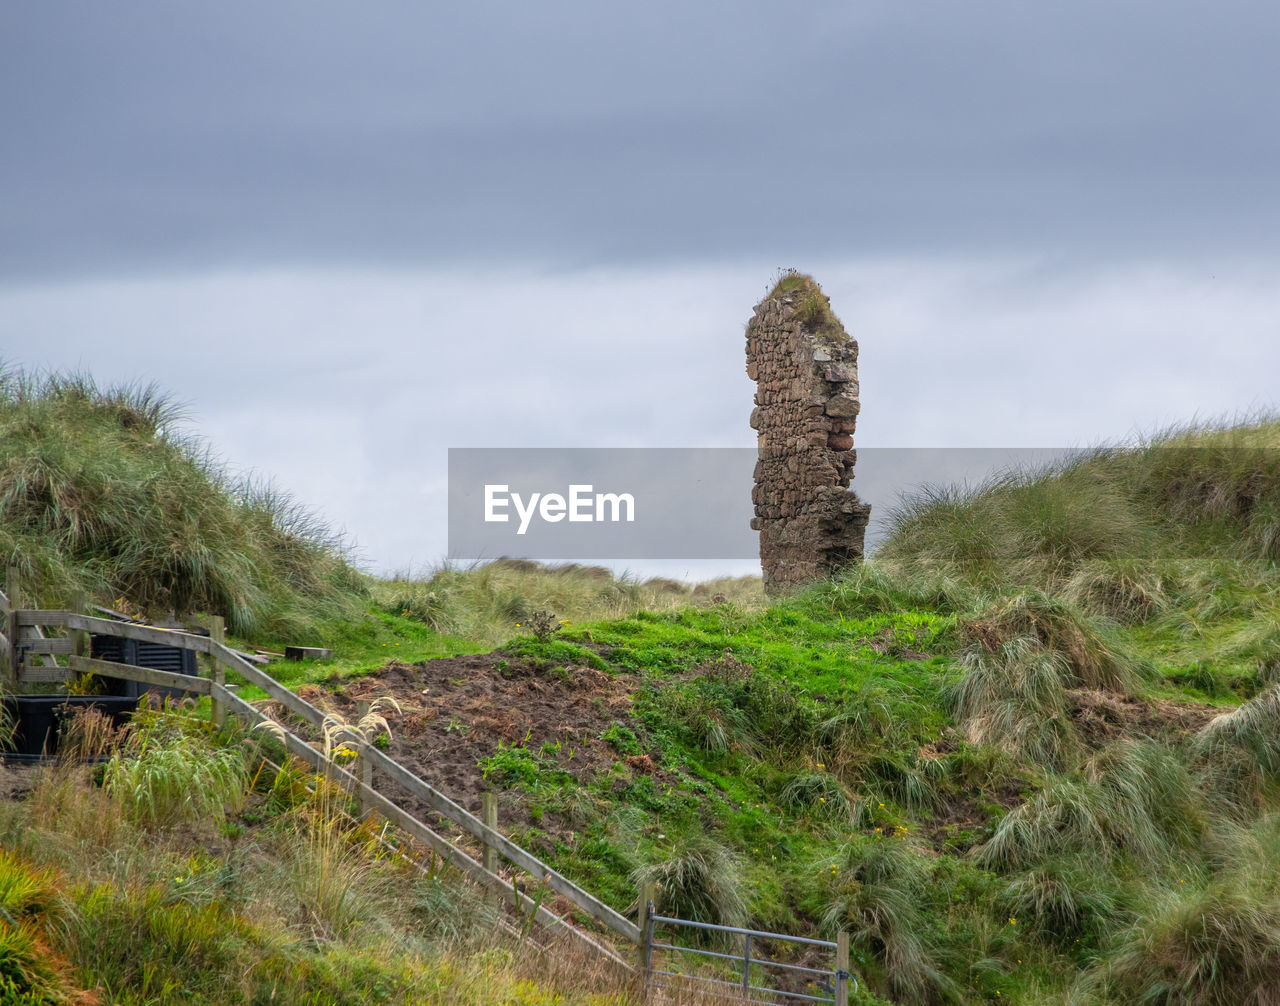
(806, 371)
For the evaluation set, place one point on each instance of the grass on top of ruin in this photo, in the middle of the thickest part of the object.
(814, 308)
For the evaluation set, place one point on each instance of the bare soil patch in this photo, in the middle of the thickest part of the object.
(1102, 717)
(455, 712)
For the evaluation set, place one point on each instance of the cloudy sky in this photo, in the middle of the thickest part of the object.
(350, 236)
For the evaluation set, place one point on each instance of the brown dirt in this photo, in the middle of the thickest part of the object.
(1102, 717)
(16, 780)
(454, 713)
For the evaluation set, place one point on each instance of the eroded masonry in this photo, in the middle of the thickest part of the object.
(806, 371)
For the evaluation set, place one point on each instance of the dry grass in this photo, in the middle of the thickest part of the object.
(1091, 659)
(1016, 699)
(100, 493)
(488, 602)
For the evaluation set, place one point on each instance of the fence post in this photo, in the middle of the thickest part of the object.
(842, 968)
(488, 854)
(644, 919)
(366, 763)
(489, 815)
(13, 587)
(217, 672)
(79, 638)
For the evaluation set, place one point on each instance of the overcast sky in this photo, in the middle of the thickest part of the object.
(350, 236)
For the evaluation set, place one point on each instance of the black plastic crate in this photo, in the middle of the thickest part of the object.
(141, 653)
(38, 720)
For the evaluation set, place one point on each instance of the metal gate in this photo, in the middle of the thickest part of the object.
(814, 984)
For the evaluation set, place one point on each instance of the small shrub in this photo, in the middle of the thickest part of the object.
(1210, 947)
(706, 722)
(543, 623)
(511, 765)
(168, 773)
(622, 739)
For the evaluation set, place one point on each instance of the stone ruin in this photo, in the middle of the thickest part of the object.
(806, 371)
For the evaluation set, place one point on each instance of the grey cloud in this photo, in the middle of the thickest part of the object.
(154, 136)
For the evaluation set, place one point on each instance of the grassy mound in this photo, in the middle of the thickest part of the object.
(491, 602)
(1106, 524)
(99, 493)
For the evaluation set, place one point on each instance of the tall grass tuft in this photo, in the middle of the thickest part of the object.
(1133, 799)
(1034, 525)
(700, 881)
(1016, 699)
(1203, 947)
(1127, 590)
(1066, 900)
(168, 772)
(1240, 749)
(1091, 658)
(877, 895)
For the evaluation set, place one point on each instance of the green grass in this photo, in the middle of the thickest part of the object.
(163, 774)
(829, 742)
(811, 306)
(491, 603)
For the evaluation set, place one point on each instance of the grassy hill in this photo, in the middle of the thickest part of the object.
(1027, 754)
